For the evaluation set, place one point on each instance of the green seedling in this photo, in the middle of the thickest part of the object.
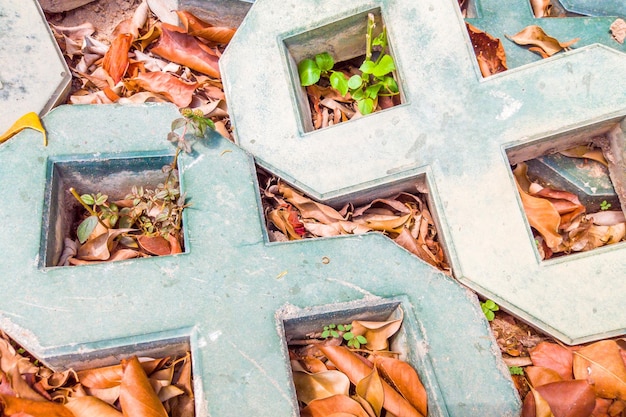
(192, 121)
(343, 330)
(375, 79)
(100, 211)
(489, 307)
(604, 205)
(516, 370)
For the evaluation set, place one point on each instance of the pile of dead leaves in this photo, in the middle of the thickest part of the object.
(405, 218)
(333, 379)
(561, 223)
(577, 381)
(148, 60)
(138, 388)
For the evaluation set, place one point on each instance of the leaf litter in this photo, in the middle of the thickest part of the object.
(349, 369)
(138, 387)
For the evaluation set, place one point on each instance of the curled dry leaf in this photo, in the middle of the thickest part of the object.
(405, 380)
(535, 405)
(573, 398)
(186, 50)
(197, 27)
(555, 357)
(137, 397)
(89, 406)
(309, 209)
(337, 405)
(356, 369)
(541, 214)
(98, 249)
(539, 375)
(377, 333)
(115, 60)
(314, 386)
(602, 366)
(20, 407)
(488, 50)
(370, 390)
(175, 89)
(543, 44)
(584, 151)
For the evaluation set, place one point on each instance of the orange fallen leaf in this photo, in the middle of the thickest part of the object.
(356, 369)
(116, 58)
(137, 397)
(553, 356)
(180, 92)
(197, 27)
(89, 406)
(186, 50)
(338, 405)
(573, 398)
(20, 407)
(602, 366)
(405, 380)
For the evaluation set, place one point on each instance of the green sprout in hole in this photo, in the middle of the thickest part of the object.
(375, 79)
(516, 370)
(489, 307)
(343, 330)
(605, 205)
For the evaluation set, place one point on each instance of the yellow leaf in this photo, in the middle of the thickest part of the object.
(30, 120)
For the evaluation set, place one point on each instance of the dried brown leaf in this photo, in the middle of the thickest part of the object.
(115, 60)
(618, 30)
(569, 398)
(535, 36)
(541, 8)
(20, 407)
(552, 356)
(314, 386)
(137, 397)
(377, 333)
(337, 405)
(602, 366)
(539, 375)
(89, 406)
(178, 91)
(488, 50)
(370, 389)
(356, 369)
(404, 379)
(186, 50)
(197, 27)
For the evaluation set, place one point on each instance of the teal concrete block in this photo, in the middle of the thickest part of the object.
(232, 298)
(500, 20)
(33, 76)
(596, 8)
(457, 131)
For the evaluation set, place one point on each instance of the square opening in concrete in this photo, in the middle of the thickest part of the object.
(303, 337)
(402, 211)
(98, 373)
(572, 189)
(345, 41)
(113, 176)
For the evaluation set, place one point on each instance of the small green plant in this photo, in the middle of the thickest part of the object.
(604, 205)
(365, 88)
(192, 120)
(516, 370)
(343, 330)
(489, 307)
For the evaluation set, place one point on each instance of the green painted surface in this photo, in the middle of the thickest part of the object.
(227, 297)
(456, 129)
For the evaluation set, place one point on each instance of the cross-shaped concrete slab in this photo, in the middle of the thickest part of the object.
(595, 8)
(457, 129)
(499, 19)
(232, 296)
(33, 74)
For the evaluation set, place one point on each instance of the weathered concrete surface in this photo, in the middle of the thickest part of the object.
(227, 297)
(33, 74)
(458, 130)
